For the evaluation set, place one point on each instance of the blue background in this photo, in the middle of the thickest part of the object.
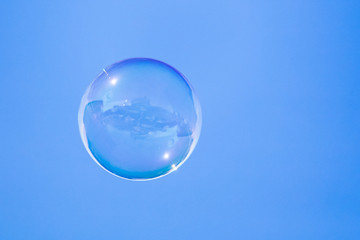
(278, 157)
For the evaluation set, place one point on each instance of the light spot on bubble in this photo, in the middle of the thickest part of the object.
(113, 81)
(166, 156)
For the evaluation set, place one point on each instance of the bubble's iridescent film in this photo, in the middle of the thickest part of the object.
(140, 119)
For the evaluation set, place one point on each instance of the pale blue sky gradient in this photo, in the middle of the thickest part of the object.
(279, 153)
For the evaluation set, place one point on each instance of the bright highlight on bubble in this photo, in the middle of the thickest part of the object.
(140, 119)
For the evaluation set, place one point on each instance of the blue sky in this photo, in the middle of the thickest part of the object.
(278, 157)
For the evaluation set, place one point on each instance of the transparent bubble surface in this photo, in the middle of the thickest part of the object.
(140, 119)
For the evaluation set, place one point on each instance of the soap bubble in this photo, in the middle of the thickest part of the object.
(140, 119)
